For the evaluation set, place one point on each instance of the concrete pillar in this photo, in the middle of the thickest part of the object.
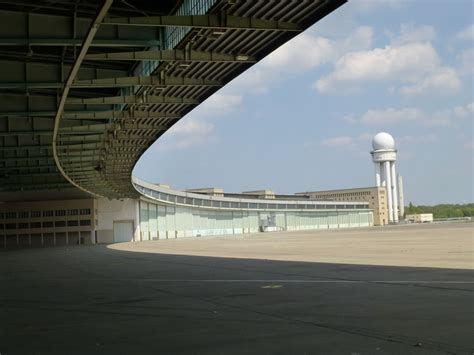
(388, 190)
(394, 192)
(401, 201)
(377, 174)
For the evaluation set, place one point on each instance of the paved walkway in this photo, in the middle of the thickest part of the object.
(115, 300)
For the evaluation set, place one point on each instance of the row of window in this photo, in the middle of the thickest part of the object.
(242, 205)
(345, 195)
(49, 213)
(46, 224)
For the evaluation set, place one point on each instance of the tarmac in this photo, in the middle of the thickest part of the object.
(380, 290)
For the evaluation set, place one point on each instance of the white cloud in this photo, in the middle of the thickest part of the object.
(253, 81)
(469, 144)
(443, 79)
(409, 33)
(466, 60)
(416, 64)
(301, 54)
(341, 141)
(389, 63)
(465, 111)
(195, 128)
(370, 5)
(392, 116)
(466, 34)
(219, 105)
(306, 51)
(186, 133)
(421, 139)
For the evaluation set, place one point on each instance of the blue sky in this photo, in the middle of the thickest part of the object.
(303, 118)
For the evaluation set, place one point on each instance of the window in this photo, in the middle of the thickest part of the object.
(2, 215)
(48, 224)
(23, 225)
(60, 213)
(60, 224)
(72, 223)
(234, 204)
(35, 225)
(10, 215)
(48, 213)
(10, 226)
(85, 222)
(72, 212)
(35, 214)
(85, 211)
(23, 214)
(197, 202)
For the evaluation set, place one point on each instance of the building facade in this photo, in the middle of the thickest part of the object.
(376, 197)
(164, 213)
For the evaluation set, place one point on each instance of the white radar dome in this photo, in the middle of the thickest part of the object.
(383, 140)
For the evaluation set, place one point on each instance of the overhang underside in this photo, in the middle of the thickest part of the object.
(149, 64)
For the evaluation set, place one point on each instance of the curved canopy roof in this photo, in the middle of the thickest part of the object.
(87, 86)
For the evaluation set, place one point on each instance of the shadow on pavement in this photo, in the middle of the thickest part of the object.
(95, 300)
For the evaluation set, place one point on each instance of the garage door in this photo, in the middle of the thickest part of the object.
(123, 232)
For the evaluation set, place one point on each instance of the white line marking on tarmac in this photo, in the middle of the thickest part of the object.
(258, 280)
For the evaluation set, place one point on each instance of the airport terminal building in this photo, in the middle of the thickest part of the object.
(164, 213)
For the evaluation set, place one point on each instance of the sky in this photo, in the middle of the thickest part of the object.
(303, 118)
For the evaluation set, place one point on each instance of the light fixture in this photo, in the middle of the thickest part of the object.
(242, 57)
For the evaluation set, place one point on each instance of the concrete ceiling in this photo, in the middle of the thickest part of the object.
(79, 104)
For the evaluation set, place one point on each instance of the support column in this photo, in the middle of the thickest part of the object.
(388, 188)
(394, 192)
(401, 202)
(377, 174)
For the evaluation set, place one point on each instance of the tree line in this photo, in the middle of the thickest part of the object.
(443, 210)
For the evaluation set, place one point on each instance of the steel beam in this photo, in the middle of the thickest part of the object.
(93, 114)
(110, 126)
(153, 80)
(117, 82)
(26, 147)
(29, 158)
(208, 21)
(72, 42)
(174, 55)
(27, 133)
(132, 99)
(49, 75)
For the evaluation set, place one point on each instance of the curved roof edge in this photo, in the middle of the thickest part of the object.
(165, 195)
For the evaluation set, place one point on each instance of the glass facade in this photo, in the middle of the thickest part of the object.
(166, 215)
